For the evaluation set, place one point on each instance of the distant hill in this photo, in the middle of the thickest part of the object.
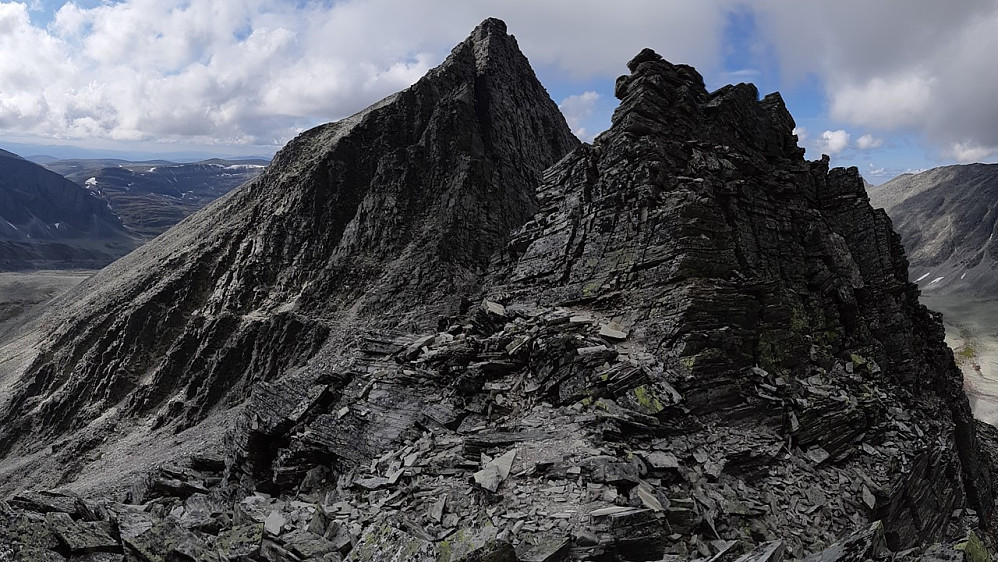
(47, 221)
(947, 218)
(41, 158)
(152, 196)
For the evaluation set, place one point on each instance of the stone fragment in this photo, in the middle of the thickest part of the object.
(371, 483)
(166, 540)
(81, 537)
(385, 543)
(817, 455)
(437, 509)
(661, 460)
(308, 546)
(274, 523)
(272, 551)
(131, 521)
(613, 331)
(766, 552)
(505, 463)
(493, 308)
(240, 541)
(489, 477)
(417, 346)
(648, 498)
(865, 544)
(208, 463)
(44, 502)
(614, 510)
(547, 549)
(35, 554)
(492, 551)
(868, 498)
(495, 471)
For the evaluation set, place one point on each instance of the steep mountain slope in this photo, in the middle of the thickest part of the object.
(947, 218)
(150, 197)
(684, 341)
(48, 221)
(356, 221)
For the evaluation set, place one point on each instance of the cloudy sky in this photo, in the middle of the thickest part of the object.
(888, 86)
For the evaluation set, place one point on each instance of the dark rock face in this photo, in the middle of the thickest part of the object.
(354, 220)
(47, 221)
(681, 342)
(695, 222)
(150, 197)
(947, 218)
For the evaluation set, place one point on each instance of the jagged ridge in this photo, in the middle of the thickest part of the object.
(699, 345)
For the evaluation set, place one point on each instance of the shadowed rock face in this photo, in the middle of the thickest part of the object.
(947, 218)
(682, 340)
(49, 221)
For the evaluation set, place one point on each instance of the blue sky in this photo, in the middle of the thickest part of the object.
(889, 87)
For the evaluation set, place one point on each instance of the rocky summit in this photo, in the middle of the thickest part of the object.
(443, 330)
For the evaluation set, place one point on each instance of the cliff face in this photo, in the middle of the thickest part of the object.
(695, 223)
(684, 340)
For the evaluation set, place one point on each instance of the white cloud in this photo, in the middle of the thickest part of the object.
(969, 152)
(908, 66)
(834, 142)
(884, 103)
(868, 141)
(258, 71)
(578, 110)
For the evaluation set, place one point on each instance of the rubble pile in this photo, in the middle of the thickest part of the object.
(534, 434)
(696, 345)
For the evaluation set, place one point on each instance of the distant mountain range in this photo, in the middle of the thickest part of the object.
(152, 196)
(47, 221)
(947, 218)
(84, 214)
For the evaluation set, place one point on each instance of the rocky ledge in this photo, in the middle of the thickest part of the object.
(695, 345)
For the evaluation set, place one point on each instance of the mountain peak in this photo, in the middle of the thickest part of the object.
(384, 219)
(490, 26)
(670, 101)
(448, 316)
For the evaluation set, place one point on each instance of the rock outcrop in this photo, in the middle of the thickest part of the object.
(450, 341)
(47, 221)
(947, 218)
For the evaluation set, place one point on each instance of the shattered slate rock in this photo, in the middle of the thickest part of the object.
(82, 537)
(444, 330)
(392, 545)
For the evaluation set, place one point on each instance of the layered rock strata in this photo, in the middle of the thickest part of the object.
(682, 342)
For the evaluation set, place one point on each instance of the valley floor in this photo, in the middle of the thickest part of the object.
(972, 333)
